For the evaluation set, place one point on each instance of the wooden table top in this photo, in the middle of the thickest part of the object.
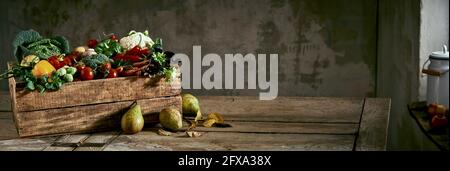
(287, 123)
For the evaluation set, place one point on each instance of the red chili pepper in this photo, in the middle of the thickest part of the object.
(133, 58)
(129, 58)
(138, 51)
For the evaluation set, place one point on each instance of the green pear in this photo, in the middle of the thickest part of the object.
(191, 106)
(170, 118)
(132, 121)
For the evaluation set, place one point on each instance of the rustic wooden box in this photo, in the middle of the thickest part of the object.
(90, 106)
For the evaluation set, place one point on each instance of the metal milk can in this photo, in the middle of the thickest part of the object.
(437, 81)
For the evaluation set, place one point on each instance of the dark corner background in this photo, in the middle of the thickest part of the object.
(361, 48)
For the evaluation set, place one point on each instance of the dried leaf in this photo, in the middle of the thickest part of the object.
(192, 126)
(164, 132)
(216, 116)
(193, 134)
(209, 123)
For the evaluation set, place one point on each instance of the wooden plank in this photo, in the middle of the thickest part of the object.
(97, 92)
(26, 144)
(283, 128)
(7, 128)
(6, 115)
(98, 141)
(284, 109)
(150, 141)
(91, 118)
(5, 101)
(67, 142)
(374, 125)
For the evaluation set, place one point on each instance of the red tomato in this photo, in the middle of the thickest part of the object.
(68, 60)
(439, 121)
(119, 70)
(80, 68)
(113, 37)
(106, 67)
(113, 73)
(87, 73)
(92, 43)
(55, 62)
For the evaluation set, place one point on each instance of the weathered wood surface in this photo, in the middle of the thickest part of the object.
(149, 140)
(286, 109)
(98, 141)
(296, 123)
(67, 142)
(374, 125)
(88, 118)
(97, 92)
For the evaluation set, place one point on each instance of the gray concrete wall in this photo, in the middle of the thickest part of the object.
(408, 31)
(326, 48)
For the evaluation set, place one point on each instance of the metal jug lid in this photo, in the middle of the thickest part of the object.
(441, 55)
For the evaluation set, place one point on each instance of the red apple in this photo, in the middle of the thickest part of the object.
(439, 121)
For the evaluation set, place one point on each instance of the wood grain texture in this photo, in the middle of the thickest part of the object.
(67, 142)
(150, 141)
(26, 144)
(98, 141)
(90, 118)
(284, 109)
(7, 127)
(283, 128)
(5, 101)
(95, 92)
(374, 125)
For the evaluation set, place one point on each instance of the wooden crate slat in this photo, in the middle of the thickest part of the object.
(284, 109)
(96, 92)
(374, 125)
(88, 118)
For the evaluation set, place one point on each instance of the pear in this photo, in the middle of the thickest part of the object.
(170, 118)
(132, 121)
(191, 106)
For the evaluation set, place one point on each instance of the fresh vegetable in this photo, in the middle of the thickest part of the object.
(61, 72)
(95, 61)
(42, 68)
(87, 73)
(113, 37)
(92, 43)
(68, 78)
(71, 70)
(108, 47)
(106, 67)
(29, 61)
(136, 39)
(30, 42)
(80, 50)
(128, 58)
(56, 62)
(113, 73)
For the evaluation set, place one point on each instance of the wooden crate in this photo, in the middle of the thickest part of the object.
(90, 106)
